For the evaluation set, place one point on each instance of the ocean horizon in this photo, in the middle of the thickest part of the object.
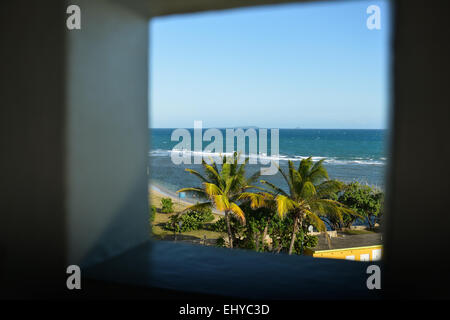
(349, 155)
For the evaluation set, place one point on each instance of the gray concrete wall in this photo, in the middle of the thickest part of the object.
(416, 235)
(107, 131)
(32, 122)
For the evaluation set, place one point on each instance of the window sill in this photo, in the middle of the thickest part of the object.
(235, 273)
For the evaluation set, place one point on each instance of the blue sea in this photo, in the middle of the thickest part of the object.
(350, 155)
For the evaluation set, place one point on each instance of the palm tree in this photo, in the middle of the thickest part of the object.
(222, 188)
(309, 186)
(257, 200)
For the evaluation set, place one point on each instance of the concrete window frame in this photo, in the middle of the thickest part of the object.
(78, 108)
(173, 266)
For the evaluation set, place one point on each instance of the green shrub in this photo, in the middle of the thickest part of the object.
(304, 240)
(220, 242)
(189, 221)
(205, 214)
(174, 224)
(310, 241)
(279, 230)
(219, 226)
(152, 213)
(367, 201)
(202, 214)
(166, 205)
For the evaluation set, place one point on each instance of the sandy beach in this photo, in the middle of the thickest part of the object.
(157, 192)
(201, 236)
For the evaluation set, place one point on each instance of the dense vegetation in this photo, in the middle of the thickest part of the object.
(152, 213)
(270, 218)
(166, 205)
(190, 220)
(365, 200)
(265, 235)
(221, 188)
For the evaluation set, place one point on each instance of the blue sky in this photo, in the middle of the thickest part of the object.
(284, 66)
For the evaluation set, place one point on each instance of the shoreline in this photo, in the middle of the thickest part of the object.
(163, 192)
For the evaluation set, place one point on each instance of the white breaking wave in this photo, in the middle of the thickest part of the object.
(216, 155)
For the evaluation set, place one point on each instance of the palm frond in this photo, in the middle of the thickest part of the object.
(237, 211)
(241, 170)
(296, 180)
(327, 188)
(197, 174)
(196, 191)
(253, 187)
(198, 206)
(221, 202)
(225, 173)
(234, 165)
(254, 177)
(324, 208)
(286, 178)
(212, 174)
(274, 187)
(211, 189)
(304, 166)
(284, 205)
(229, 184)
(318, 172)
(316, 221)
(257, 200)
(332, 209)
(308, 190)
(343, 208)
(213, 163)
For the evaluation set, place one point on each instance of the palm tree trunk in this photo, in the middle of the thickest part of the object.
(280, 246)
(371, 225)
(294, 232)
(230, 235)
(257, 241)
(265, 233)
